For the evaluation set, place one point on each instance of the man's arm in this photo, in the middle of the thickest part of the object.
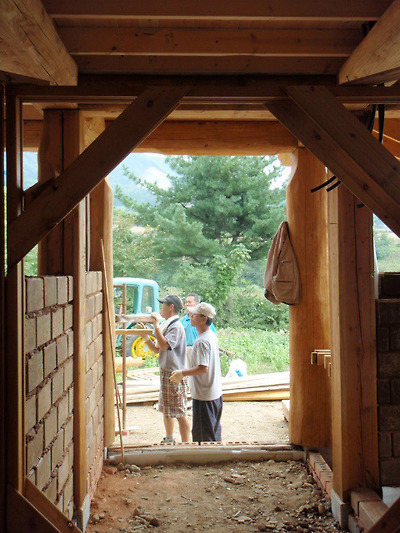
(178, 375)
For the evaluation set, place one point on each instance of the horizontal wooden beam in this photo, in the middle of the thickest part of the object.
(33, 46)
(223, 9)
(22, 516)
(63, 193)
(212, 42)
(346, 147)
(212, 89)
(377, 57)
(199, 138)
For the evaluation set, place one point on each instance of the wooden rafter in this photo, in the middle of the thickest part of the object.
(377, 57)
(60, 195)
(346, 147)
(34, 47)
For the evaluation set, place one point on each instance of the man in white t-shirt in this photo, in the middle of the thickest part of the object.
(204, 376)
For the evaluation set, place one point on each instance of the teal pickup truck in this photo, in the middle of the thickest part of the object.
(135, 296)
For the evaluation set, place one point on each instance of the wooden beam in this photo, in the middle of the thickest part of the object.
(35, 49)
(109, 149)
(225, 9)
(3, 314)
(353, 343)
(213, 42)
(22, 516)
(377, 58)
(346, 147)
(389, 522)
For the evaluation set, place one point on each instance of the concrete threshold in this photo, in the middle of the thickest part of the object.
(207, 453)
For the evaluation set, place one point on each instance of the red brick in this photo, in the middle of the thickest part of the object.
(58, 384)
(57, 450)
(50, 427)
(50, 358)
(68, 316)
(44, 400)
(62, 290)
(34, 370)
(43, 471)
(30, 413)
(43, 328)
(57, 322)
(30, 335)
(50, 291)
(34, 294)
(34, 448)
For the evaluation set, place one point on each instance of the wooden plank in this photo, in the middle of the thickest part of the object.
(267, 42)
(64, 193)
(44, 506)
(377, 58)
(346, 147)
(389, 522)
(353, 334)
(36, 48)
(22, 516)
(133, 331)
(310, 420)
(371, 512)
(3, 314)
(261, 396)
(225, 9)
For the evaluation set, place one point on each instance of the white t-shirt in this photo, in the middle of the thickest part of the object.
(205, 352)
(174, 358)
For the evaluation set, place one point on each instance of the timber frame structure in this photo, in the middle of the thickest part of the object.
(85, 83)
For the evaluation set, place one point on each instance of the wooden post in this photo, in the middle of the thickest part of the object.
(101, 212)
(353, 339)
(310, 411)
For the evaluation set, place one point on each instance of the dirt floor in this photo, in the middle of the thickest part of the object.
(236, 496)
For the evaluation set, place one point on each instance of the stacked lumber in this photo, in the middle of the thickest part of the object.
(143, 386)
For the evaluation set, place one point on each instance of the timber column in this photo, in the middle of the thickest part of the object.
(310, 407)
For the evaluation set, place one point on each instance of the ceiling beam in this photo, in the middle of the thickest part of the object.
(346, 147)
(377, 58)
(55, 198)
(223, 9)
(33, 46)
(210, 42)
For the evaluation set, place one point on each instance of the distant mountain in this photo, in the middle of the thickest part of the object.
(149, 167)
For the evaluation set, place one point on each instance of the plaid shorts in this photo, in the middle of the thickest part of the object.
(172, 402)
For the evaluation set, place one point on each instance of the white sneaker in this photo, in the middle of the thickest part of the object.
(168, 440)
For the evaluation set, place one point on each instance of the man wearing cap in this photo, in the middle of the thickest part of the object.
(204, 376)
(171, 347)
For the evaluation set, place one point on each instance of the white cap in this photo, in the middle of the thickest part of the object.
(203, 308)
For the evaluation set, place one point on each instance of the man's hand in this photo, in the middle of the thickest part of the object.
(156, 318)
(176, 376)
(145, 336)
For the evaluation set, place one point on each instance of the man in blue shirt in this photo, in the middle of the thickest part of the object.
(191, 332)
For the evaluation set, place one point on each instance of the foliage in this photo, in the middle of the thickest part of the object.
(262, 351)
(387, 246)
(31, 262)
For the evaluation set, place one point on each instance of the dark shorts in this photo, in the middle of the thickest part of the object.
(207, 420)
(172, 400)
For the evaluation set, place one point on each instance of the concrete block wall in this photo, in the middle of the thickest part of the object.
(94, 378)
(49, 393)
(388, 348)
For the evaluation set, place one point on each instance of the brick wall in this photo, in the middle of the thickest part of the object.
(94, 378)
(49, 387)
(388, 348)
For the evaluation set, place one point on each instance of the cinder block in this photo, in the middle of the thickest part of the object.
(50, 427)
(98, 347)
(89, 307)
(394, 337)
(71, 400)
(30, 413)
(68, 432)
(34, 294)
(68, 373)
(68, 316)
(353, 525)
(50, 291)
(395, 391)
(68, 489)
(62, 348)
(63, 411)
(89, 332)
(89, 356)
(30, 335)
(388, 311)
(99, 280)
(98, 390)
(43, 471)
(44, 400)
(70, 288)
(389, 417)
(34, 447)
(385, 444)
(32, 476)
(70, 335)
(51, 490)
(43, 328)
(98, 303)
(62, 290)
(60, 502)
(58, 384)
(89, 383)
(390, 472)
(89, 432)
(383, 391)
(100, 368)
(57, 322)
(95, 330)
(388, 365)
(34, 370)
(382, 338)
(99, 319)
(50, 358)
(91, 282)
(57, 450)
(340, 509)
(396, 443)
(389, 285)
(63, 473)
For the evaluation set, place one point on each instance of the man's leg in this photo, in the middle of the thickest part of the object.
(169, 426)
(184, 428)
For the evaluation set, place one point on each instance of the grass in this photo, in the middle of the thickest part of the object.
(262, 351)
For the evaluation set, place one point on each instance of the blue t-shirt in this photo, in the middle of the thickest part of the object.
(190, 331)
